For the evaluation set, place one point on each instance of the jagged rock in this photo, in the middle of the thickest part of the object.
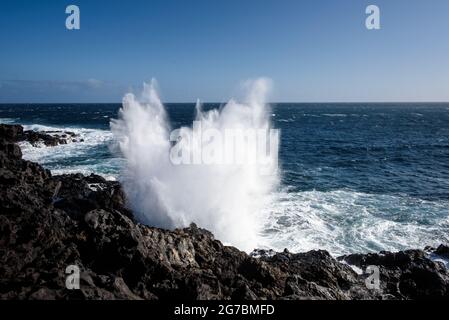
(35, 138)
(15, 133)
(406, 274)
(442, 251)
(11, 133)
(78, 194)
(50, 222)
(11, 150)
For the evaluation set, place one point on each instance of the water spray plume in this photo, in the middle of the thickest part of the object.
(226, 199)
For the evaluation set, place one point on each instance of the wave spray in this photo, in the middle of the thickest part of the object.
(227, 199)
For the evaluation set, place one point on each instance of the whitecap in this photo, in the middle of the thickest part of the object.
(343, 222)
(334, 115)
(8, 120)
(73, 157)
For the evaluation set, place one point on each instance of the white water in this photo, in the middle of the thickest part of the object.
(344, 221)
(72, 157)
(226, 199)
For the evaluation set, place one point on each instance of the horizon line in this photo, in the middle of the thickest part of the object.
(271, 102)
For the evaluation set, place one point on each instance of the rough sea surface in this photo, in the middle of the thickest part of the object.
(355, 177)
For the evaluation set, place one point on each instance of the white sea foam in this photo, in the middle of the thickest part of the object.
(356, 269)
(73, 157)
(441, 259)
(334, 115)
(286, 120)
(8, 120)
(345, 222)
(226, 199)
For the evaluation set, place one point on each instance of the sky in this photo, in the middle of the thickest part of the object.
(313, 50)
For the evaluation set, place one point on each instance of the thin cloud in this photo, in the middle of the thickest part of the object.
(60, 91)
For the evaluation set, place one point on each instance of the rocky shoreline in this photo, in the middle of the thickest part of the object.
(15, 133)
(50, 222)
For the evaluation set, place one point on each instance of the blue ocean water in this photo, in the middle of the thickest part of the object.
(354, 177)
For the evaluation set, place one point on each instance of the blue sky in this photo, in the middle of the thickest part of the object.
(313, 50)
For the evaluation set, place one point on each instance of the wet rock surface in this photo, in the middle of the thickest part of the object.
(442, 251)
(50, 222)
(48, 138)
(408, 274)
(15, 133)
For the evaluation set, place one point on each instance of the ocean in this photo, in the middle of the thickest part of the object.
(355, 177)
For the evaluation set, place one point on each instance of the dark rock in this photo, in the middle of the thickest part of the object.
(11, 133)
(78, 194)
(11, 150)
(35, 138)
(406, 274)
(443, 251)
(15, 133)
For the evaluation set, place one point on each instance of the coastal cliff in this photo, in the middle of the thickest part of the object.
(50, 222)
